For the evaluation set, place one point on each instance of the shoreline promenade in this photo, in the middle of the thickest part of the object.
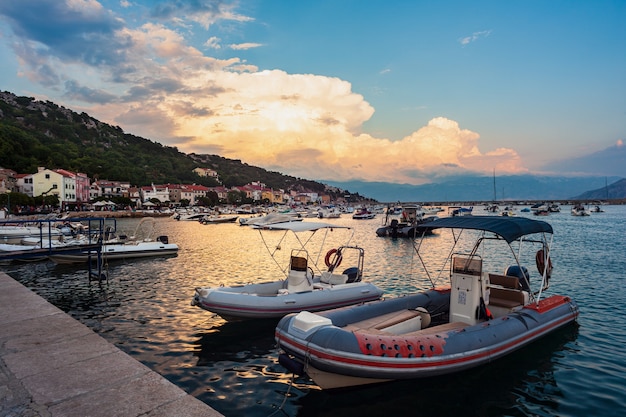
(51, 365)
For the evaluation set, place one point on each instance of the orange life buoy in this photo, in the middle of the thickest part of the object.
(540, 260)
(336, 260)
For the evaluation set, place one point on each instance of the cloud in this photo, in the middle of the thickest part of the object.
(89, 95)
(474, 37)
(243, 46)
(152, 82)
(213, 42)
(204, 12)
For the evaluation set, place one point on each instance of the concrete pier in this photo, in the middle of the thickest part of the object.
(52, 365)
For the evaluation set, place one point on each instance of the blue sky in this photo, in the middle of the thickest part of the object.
(400, 91)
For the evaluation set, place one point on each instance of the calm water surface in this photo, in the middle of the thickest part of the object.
(145, 310)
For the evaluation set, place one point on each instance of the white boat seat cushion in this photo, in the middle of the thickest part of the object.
(334, 279)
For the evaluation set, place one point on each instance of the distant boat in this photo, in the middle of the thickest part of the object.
(212, 219)
(363, 214)
(405, 226)
(579, 210)
(455, 211)
(329, 213)
(597, 209)
(270, 218)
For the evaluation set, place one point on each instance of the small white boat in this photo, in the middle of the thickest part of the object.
(363, 214)
(268, 219)
(140, 244)
(579, 210)
(213, 219)
(303, 286)
(597, 209)
(13, 234)
(121, 250)
(480, 316)
(329, 213)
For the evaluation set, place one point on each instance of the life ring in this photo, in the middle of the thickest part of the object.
(336, 259)
(540, 260)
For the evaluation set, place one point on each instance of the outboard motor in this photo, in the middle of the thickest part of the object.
(163, 239)
(353, 274)
(521, 273)
(394, 228)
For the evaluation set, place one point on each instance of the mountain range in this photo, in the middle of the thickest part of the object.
(481, 188)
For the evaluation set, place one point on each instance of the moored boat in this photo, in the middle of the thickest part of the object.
(455, 211)
(363, 214)
(140, 244)
(579, 210)
(405, 225)
(215, 218)
(479, 316)
(304, 285)
(14, 233)
(268, 219)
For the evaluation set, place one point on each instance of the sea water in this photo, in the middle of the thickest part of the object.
(144, 309)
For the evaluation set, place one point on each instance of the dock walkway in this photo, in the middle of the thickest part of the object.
(51, 365)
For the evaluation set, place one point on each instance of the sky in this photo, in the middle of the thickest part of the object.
(401, 91)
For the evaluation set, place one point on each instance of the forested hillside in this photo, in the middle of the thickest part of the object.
(36, 133)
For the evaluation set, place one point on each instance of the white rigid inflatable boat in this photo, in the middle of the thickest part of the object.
(305, 287)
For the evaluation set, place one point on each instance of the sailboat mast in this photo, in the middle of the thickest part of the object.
(494, 185)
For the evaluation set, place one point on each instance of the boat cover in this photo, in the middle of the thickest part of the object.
(509, 228)
(302, 226)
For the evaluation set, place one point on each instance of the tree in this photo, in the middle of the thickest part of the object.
(235, 197)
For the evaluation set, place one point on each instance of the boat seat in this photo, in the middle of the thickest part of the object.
(506, 297)
(298, 263)
(328, 277)
(441, 328)
(504, 281)
(383, 321)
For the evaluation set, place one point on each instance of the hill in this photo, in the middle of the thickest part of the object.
(36, 133)
(616, 190)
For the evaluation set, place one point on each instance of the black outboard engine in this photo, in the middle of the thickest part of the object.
(163, 239)
(521, 273)
(353, 274)
(394, 228)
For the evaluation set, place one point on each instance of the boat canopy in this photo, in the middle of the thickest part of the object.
(301, 226)
(509, 228)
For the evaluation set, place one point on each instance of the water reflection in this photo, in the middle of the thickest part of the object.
(235, 341)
